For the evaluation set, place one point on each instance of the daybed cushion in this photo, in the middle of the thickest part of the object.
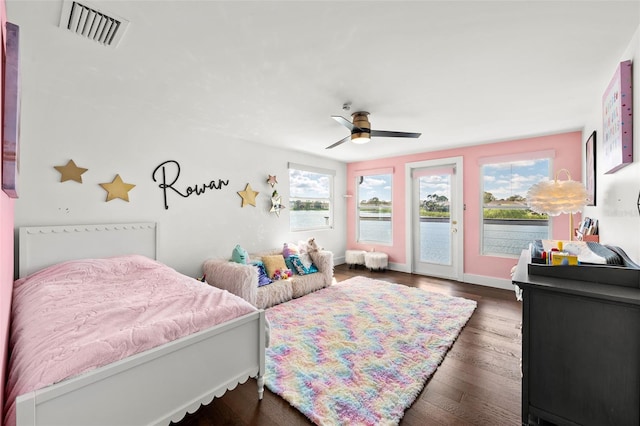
(279, 291)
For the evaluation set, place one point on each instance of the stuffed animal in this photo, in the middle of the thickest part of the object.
(312, 246)
(282, 274)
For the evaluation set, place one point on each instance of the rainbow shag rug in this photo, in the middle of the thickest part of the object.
(360, 352)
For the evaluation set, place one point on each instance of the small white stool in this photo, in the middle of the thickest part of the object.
(376, 260)
(354, 258)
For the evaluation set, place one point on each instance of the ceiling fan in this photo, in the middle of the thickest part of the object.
(361, 131)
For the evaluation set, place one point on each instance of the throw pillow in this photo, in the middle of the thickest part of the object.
(273, 263)
(289, 262)
(301, 267)
(306, 260)
(263, 278)
(239, 255)
(293, 248)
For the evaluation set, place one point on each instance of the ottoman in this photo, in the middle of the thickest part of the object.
(354, 258)
(376, 260)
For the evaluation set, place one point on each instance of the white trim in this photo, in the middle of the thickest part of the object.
(400, 267)
(371, 172)
(311, 169)
(519, 156)
(482, 280)
(458, 161)
(489, 281)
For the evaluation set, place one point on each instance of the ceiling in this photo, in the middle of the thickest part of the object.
(273, 72)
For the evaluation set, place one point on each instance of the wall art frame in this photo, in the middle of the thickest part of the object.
(590, 171)
(617, 120)
(11, 111)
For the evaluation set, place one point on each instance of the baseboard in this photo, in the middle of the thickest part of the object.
(488, 281)
(400, 267)
(483, 280)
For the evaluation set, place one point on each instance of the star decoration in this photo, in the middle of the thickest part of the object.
(70, 172)
(276, 205)
(117, 189)
(272, 181)
(248, 196)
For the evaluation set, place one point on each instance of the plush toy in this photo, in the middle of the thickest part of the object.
(285, 251)
(312, 246)
(282, 274)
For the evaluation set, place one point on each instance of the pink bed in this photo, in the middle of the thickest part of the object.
(76, 316)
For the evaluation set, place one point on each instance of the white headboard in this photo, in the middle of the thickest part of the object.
(42, 246)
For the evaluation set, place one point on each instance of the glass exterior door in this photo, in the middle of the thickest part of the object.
(435, 211)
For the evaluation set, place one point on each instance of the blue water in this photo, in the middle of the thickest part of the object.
(435, 244)
(435, 247)
(302, 219)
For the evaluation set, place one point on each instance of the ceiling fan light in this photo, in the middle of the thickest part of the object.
(360, 138)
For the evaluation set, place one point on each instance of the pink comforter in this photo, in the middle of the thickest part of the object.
(80, 315)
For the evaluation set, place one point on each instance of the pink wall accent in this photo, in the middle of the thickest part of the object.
(568, 155)
(6, 257)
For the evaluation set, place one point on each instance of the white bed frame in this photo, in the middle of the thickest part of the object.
(154, 387)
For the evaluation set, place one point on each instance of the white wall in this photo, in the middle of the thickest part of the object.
(617, 194)
(132, 144)
(191, 229)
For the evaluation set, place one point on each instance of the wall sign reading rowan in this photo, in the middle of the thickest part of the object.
(169, 172)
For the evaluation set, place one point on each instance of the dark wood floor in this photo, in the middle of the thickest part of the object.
(477, 383)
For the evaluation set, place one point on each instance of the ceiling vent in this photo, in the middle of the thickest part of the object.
(87, 21)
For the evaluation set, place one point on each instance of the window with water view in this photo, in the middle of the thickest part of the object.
(508, 225)
(310, 195)
(374, 208)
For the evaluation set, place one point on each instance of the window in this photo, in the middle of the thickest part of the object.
(374, 208)
(508, 225)
(310, 197)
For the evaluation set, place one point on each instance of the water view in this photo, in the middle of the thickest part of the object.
(500, 238)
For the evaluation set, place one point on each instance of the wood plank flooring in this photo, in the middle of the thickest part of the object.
(478, 383)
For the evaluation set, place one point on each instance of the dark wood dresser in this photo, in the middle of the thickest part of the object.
(580, 350)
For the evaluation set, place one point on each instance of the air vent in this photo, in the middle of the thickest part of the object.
(87, 21)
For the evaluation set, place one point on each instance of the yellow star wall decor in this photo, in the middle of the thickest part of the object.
(117, 189)
(272, 181)
(248, 196)
(70, 172)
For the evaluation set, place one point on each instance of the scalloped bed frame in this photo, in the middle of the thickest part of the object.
(153, 387)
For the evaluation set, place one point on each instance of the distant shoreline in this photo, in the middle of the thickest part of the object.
(541, 222)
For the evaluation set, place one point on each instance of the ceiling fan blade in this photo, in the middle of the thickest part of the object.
(346, 123)
(389, 134)
(339, 142)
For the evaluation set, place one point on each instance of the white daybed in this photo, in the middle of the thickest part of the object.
(153, 387)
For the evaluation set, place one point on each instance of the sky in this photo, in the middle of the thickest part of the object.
(502, 180)
(375, 186)
(305, 184)
(507, 179)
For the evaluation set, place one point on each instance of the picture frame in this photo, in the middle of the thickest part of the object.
(11, 112)
(590, 171)
(617, 109)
